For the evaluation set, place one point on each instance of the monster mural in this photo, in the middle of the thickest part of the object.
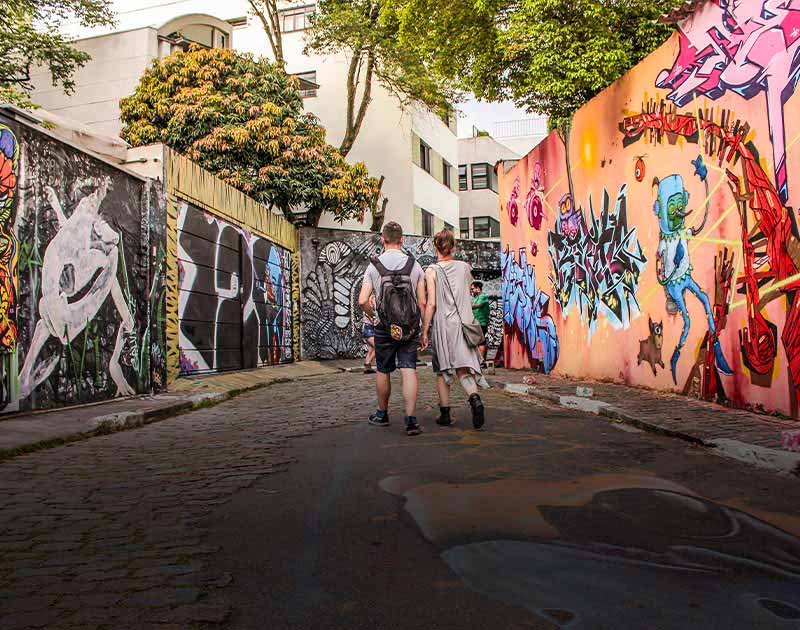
(235, 303)
(705, 135)
(333, 265)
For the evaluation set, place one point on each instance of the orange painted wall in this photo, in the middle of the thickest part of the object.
(743, 96)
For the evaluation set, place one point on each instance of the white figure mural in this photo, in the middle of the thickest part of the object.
(79, 272)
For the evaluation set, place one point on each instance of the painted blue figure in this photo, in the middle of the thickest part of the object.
(675, 272)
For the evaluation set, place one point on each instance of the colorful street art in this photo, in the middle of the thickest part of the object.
(333, 266)
(235, 303)
(525, 309)
(596, 264)
(701, 140)
(747, 47)
(9, 174)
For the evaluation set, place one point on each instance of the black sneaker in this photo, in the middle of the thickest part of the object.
(478, 416)
(412, 427)
(375, 420)
(444, 419)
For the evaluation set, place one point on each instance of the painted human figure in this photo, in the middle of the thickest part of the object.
(79, 272)
(673, 266)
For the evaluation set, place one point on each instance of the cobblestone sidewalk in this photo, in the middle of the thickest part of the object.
(108, 532)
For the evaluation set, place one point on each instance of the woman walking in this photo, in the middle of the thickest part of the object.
(449, 309)
(368, 334)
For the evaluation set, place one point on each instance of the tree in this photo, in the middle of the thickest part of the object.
(549, 56)
(30, 37)
(269, 15)
(369, 39)
(243, 120)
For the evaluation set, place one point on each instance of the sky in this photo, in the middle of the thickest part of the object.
(484, 115)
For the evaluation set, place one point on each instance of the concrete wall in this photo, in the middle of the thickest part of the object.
(606, 279)
(480, 203)
(118, 62)
(333, 263)
(81, 275)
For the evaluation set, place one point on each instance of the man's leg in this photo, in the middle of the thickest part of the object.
(410, 390)
(384, 385)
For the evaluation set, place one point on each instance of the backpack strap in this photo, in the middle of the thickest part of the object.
(409, 266)
(382, 270)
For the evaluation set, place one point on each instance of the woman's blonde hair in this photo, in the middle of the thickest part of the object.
(445, 242)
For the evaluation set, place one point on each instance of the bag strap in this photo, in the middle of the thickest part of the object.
(409, 266)
(452, 295)
(381, 268)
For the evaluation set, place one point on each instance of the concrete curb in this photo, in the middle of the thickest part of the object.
(782, 462)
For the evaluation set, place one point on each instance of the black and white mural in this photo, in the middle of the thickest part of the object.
(235, 296)
(333, 263)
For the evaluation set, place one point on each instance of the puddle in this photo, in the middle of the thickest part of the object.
(610, 551)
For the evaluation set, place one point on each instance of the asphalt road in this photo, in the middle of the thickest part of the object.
(282, 509)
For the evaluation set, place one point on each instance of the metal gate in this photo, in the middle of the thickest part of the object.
(235, 299)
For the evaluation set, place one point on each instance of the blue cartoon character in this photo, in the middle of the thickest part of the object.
(673, 265)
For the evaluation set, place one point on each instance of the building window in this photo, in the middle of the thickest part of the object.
(462, 177)
(463, 225)
(447, 226)
(481, 178)
(485, 227)
(446, 173)
(296, 19)
(427, 223)
(424, 156)
(311, 77)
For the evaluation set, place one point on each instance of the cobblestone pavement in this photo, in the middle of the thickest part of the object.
(184, 524)
(108, 533)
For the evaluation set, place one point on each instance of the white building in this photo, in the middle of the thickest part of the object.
(414, 149)
(521, 135)
(477, 185)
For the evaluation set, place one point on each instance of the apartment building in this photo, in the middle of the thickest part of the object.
(413, 148)
(477, 184)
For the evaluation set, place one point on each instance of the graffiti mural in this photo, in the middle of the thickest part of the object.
(235, 304)
(701, 140)
(533, 202)
(596, 264)
(9, 174)
(82, 279)
(526, 309)
(333, 266)
(746, 48)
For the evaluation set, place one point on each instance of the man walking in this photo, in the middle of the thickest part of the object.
(398, 283)
(481, 309)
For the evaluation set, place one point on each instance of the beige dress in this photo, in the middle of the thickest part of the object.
(450, 349)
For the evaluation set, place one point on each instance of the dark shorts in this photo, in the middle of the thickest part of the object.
(368, 331)
(391, 355)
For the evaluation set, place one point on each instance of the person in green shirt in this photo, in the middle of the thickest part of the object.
(481, 310)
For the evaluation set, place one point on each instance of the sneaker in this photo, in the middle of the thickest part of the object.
(478, 415)
(444, 419)
(412, 427)
(377, 421)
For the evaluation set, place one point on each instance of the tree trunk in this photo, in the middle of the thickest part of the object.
(378, 215)
(267, 12)
(355, 115)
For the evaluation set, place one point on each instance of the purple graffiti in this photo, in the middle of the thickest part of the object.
(513, 206)
(525, 308)
(533, 202)
(746, 47)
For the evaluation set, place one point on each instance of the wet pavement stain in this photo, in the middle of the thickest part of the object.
(610, 551)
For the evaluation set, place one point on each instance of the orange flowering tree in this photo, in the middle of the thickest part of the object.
(242, 119)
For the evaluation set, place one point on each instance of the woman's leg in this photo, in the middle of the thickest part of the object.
(370, 351)
(444, 391)
(467, 381)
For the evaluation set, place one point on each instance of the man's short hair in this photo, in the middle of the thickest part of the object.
(478, 284)
(392, 233)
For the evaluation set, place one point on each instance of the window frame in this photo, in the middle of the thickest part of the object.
(464, 233)
(305, 75)
(294, 13)
(463, 178)
(427, 222)
(424, 156)
(478, 180)
(489, 227)
(447, 179)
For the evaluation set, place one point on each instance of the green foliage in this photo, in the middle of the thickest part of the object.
(549, 56)
(30, 37)
(243, 120)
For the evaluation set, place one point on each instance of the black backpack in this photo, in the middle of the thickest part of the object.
(398, 310)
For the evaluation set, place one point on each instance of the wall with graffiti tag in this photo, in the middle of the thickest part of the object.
(659, 245)
(333, 263)
(81, 275)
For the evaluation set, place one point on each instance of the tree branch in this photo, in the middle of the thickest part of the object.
(271, 24)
